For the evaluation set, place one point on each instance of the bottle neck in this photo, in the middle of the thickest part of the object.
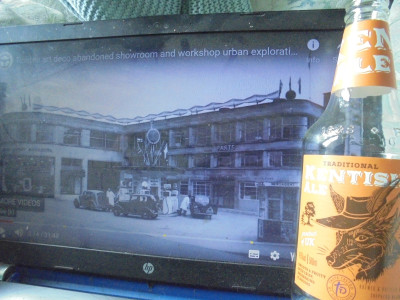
(359, 10)
(365, 64)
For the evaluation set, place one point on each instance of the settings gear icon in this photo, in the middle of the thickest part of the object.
(274, 255)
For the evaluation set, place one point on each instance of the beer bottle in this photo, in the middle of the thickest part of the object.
(348, 243)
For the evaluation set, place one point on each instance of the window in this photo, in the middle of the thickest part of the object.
(226, 160)
(180, 161)
(282, 203)
(201, 161)
(45, 133)
(248, 191)
(275, 159)
(287, 128)
(252, 159)
(179, 138)
(97, 139)
(275, 129)
(134, 141)
(311, 121)
(202, 188)
(107, 140)
(253, 130)
(202, 135)
(291, 158)
(225, 133)
(24, 132)
(39, 170)
(111, 141)
(184, 188)
(71, 176)
(71, 163)
(102, 175)
(294, 127)
(290, 204)
(274, 203)
(72, 136)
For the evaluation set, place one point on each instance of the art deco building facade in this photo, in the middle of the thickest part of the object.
(247, 158)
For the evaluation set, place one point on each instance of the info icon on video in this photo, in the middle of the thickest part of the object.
(313, 44)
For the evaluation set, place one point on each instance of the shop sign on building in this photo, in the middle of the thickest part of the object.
(226, 148)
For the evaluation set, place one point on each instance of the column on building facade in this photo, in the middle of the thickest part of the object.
(213, 160)
(57, 176)
(123, 143)
(190, 161)
(85, 138)
(238, 131)
(33, 133)
(238, 161)
(85, 167)
(192, 138)
(304, 126)
(59, 134)
(266, 131)
(265, 159)
(171, 140)
(213, 134)
(12, 132)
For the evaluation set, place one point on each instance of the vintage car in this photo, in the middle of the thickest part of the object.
(198, 206)
(201, 207)
(93, 200)
(143, 205)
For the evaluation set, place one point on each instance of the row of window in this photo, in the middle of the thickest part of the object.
(248, 131)
(45, 133)
(251, 130)
(290, 158)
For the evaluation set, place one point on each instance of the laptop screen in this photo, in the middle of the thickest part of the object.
(181, 145)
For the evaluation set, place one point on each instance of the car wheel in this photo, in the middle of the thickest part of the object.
(209, 211)
(76, 203)
(117, 211)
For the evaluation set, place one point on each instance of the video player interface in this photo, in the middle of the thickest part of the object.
(184, 146)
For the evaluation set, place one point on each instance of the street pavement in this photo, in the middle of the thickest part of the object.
(227, 236)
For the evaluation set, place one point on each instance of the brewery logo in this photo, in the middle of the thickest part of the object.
(308, 214)
(364, 225)
(340, 287)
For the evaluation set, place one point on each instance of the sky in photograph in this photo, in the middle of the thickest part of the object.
(130, 88)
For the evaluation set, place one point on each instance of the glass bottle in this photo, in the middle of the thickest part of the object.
(349, 230)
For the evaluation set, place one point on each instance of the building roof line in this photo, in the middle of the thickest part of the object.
(213, 106)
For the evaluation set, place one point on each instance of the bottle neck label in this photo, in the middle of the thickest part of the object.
(365, 60)
(349, 228)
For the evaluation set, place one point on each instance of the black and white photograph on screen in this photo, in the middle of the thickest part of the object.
(186, 147)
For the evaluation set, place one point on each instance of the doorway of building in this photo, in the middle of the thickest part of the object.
(224, 194)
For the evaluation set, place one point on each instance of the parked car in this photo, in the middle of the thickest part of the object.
(200, 207)
(143, 205)
(93, 200)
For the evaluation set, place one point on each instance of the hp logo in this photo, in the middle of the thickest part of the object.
(148, 268)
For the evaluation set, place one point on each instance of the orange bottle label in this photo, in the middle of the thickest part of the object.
(349, 228)
(365, 57)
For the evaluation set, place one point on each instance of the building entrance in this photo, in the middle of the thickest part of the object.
(224, 194)
(103, 175)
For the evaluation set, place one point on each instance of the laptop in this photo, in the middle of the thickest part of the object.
(161, 149)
